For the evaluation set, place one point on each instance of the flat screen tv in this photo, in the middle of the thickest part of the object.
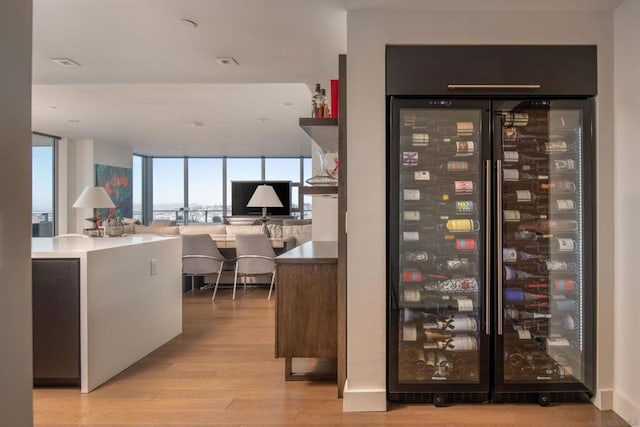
(241, 192)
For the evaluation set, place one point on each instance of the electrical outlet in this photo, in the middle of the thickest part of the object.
(154, 267)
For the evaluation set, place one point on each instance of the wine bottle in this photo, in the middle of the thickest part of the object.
(454, 323)
(512, 295)
(457, 187)
(437, 305)
(514, 134)
(514, 255)
(566, 285)
(315, 101)
(457, 343)
(514, 175)
(459, 226)
(552, 147)
(516, 157)
(564, 304)
(324, 106)
(437, 335)
(563, 244)
(560, 186)
(548, 225)
(444, 247)
(554, 165)
(451, 286)
(442, 266)
(565, 321)
(553, 265)
(453, 148)
(457, 207)
(521, 196)
(558, 205)
(516, 216)
(511, 273)
(414, 195)
(510, 119)
(530, 235)
(538, 225)
(457, 166)
(515, 314)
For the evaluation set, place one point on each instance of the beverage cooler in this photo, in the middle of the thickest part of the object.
(490, 246)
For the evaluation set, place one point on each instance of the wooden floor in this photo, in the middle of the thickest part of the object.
(221, 371)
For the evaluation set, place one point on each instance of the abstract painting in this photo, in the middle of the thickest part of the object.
(117, 183)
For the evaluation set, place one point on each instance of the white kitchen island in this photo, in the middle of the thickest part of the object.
(130, 299)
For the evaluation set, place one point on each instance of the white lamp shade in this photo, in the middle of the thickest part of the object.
(93, 197)
(264, 197)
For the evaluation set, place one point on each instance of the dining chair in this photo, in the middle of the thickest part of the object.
(201, 256)
(254, 256)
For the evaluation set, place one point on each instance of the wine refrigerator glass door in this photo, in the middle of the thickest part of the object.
(438, 322)
(545, 324)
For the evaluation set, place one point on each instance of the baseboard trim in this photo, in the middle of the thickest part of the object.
(603, 399)
(363, 400)
(627, 409)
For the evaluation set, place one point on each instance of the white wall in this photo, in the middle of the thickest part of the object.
(626, 400)
(367, 34)
(16, 380)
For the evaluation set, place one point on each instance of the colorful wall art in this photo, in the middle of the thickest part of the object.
(117, 183)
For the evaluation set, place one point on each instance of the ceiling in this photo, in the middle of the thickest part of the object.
(149, 80)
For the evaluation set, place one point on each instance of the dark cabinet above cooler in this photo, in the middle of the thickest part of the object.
(511, 70)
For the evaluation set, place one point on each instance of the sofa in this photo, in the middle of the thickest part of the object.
(292, 232)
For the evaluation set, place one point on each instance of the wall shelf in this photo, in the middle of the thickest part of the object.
(319, 190)
(324, 131)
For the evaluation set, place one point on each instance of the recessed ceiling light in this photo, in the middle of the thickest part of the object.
(197, 124)
(74, 121)
(193, 24)
(227, 61)
(263, 120)
(65, 62)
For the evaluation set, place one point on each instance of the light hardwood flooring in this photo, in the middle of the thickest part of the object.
(221, 371)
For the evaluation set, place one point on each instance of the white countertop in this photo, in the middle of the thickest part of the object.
(58, 247)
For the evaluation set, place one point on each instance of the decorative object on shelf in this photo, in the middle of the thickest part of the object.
(264, 197)
(93, 197)
(113, 227)
(335, 98)
(328, 174)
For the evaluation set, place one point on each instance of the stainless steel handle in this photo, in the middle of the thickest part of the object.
(499, 243)
(464, 86)
(487, 252)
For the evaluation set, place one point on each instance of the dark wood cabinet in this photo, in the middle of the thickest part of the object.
(56, 321)
(306, 303)
(557, 70)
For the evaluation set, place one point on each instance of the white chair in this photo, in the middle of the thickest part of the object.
(201, 256)
(254, 255)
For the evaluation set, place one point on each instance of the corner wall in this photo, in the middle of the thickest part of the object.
(626, 397)
(16, 380)
(367, 34)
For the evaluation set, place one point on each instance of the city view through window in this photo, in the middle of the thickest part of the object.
(191, 191)
(188, 191)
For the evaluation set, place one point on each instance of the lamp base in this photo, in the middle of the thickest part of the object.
(94, 231)
(264, 230)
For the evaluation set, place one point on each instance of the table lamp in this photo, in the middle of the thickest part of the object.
(264, 197)
(93, 197)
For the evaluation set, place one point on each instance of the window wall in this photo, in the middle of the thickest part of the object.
(168, 189)
(205, 190)
(43, 152)
(197, 190)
